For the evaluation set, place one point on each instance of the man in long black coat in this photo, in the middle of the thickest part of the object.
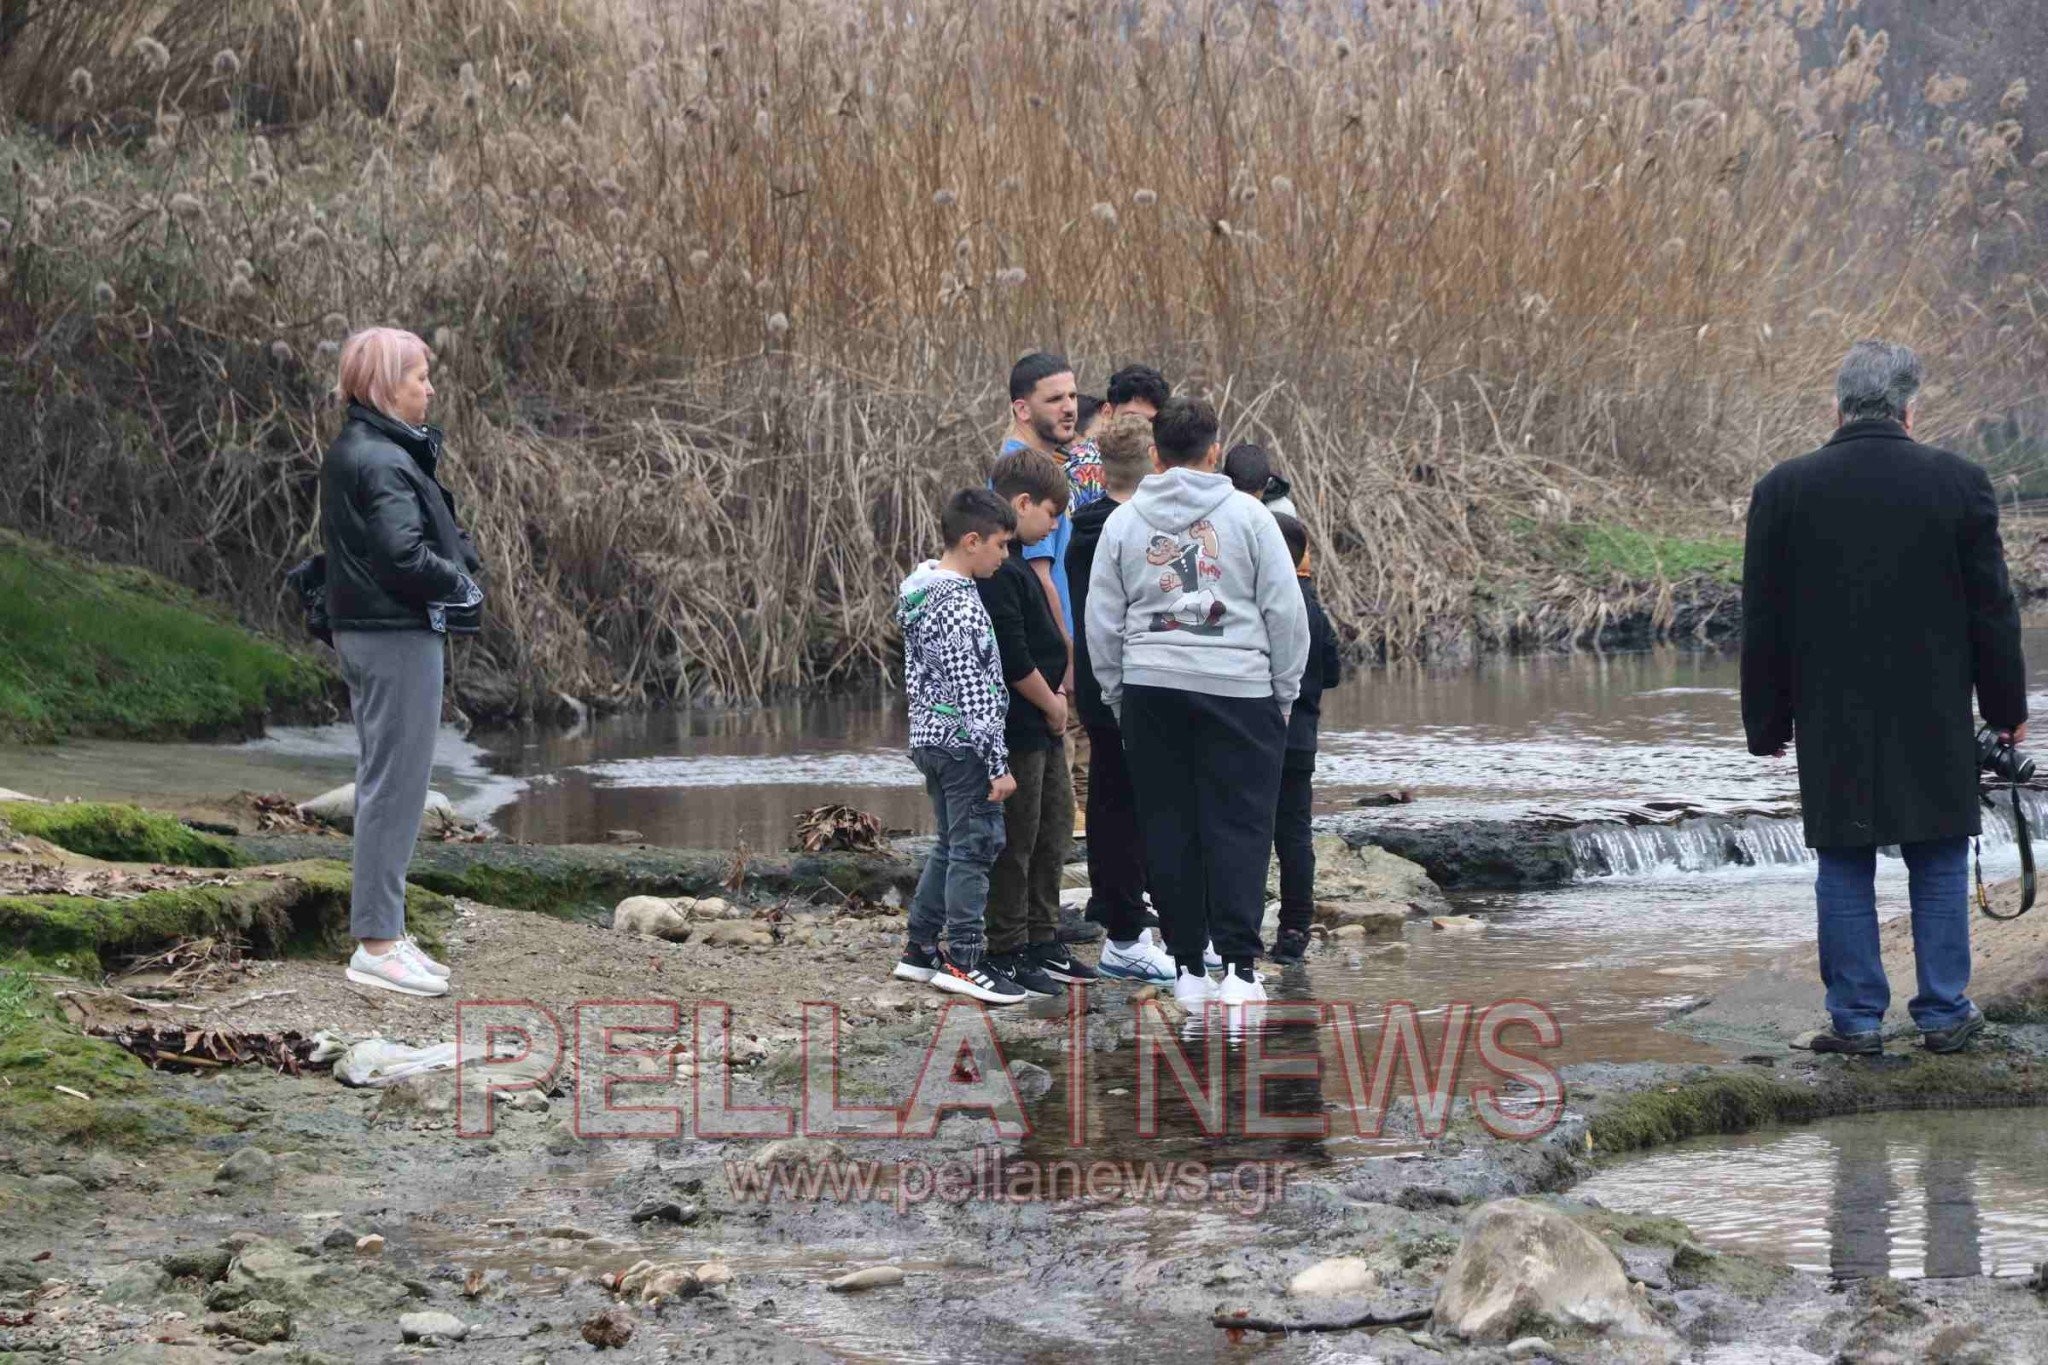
(1874, 601)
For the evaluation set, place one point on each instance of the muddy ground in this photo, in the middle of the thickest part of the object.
(155, 1252)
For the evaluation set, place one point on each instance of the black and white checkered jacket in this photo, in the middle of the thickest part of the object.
(951, 667)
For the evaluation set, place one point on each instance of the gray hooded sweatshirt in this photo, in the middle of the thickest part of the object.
(1193, 588)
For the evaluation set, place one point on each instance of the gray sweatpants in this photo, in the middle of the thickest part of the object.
(394, 689)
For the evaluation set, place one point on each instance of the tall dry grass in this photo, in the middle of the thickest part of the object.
(725, 294)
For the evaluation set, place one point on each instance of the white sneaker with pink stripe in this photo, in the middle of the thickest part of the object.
(397, 970)
(409, 944)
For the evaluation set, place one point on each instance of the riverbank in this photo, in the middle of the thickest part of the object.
(231, 1205)
(99, 649)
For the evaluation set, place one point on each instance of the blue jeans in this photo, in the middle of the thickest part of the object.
(952, 891)
(1851, 966)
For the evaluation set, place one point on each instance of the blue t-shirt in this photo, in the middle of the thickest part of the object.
(1084, 482)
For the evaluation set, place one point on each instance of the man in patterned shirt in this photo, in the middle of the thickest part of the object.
(959, 703)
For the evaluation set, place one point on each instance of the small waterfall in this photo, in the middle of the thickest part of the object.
(1714, 841)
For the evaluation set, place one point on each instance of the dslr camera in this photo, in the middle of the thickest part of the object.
(2001, 759)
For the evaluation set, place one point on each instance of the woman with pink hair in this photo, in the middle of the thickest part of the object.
(400, 580)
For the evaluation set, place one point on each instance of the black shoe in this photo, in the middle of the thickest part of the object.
(1076, 927)
(1061, 965)
(1955, 1037)
(1870, 1044)
(1290, 947)
(1024, 969)
(982, 981)
(917, 964)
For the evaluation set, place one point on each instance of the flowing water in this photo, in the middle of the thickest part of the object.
(1937, 1194)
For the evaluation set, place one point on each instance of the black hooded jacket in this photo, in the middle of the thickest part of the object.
(393, 544)
(1088, 523)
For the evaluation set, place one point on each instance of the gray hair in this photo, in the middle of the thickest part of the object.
(1877, 379)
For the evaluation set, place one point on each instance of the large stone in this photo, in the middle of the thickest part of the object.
(654, 917)
(337, 809)
(798, 1151)
(1368, 875)
(1370, 919)
(1524, 1268)
(1337, 1276)
(432, 1327)
(201, 1263)
(736, 934)
(257, 1321)
(267, 1270)
(248, 1166)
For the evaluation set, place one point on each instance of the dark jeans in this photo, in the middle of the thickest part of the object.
(1294, 839)
(1116, 853)
(1038, 826)
(952, 892)
(1206, 772)
(1851, 964)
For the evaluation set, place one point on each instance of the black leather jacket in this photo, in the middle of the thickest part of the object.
(393, 545)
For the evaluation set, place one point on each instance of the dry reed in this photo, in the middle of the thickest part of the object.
(724, 293)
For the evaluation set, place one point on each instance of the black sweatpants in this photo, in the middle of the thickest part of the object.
(1206, 772)
(1294, 839)
(1116, 852)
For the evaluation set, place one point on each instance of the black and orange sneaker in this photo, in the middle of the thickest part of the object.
(978, 981)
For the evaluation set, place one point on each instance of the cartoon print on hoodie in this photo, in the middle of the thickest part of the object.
(1190, 566)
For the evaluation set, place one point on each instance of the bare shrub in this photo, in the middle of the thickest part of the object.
(726, 290)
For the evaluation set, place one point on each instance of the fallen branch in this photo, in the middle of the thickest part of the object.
(1243, 1321)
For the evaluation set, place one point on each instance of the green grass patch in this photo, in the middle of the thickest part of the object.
(1609, 551)
(40, 1052)
(119, 834)
(96, 649)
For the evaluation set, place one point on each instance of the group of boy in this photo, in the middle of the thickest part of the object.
(1120, 591)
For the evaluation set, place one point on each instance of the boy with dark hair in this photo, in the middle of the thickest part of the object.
(1198, 634)
(1250, 467)
(952, 671)
(1293, 836)
(1038, 821)
(1137, 389)
(1116, 854)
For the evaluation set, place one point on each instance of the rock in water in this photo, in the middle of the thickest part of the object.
(1033, 1081)
(1524, 1267)
(609, 1330)
(1368, 875)
(1459, 924)
(1336, 1276)
(432, 1327)
(652, 916)
(337, 808)
(874, 1277)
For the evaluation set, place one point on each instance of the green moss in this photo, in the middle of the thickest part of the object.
(119, 834)
(1725, 1102)
(586, 881)
(40, 1052)
(1692, 1266)
(302, 910)
(89, 648)
(1738, 1101)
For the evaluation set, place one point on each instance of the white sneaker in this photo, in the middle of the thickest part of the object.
(1236, 990)
(1192, 992)
(1210, 958)
(396, 970)
(1139, 960)
(412, 945)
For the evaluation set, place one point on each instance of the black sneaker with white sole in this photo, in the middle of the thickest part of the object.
(1025, 969)
(978, 982)
(917, 964)
(1061, 965)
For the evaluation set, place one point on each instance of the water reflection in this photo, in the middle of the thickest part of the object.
(1933, 1195)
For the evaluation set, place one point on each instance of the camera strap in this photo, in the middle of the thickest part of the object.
(2026, 842)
